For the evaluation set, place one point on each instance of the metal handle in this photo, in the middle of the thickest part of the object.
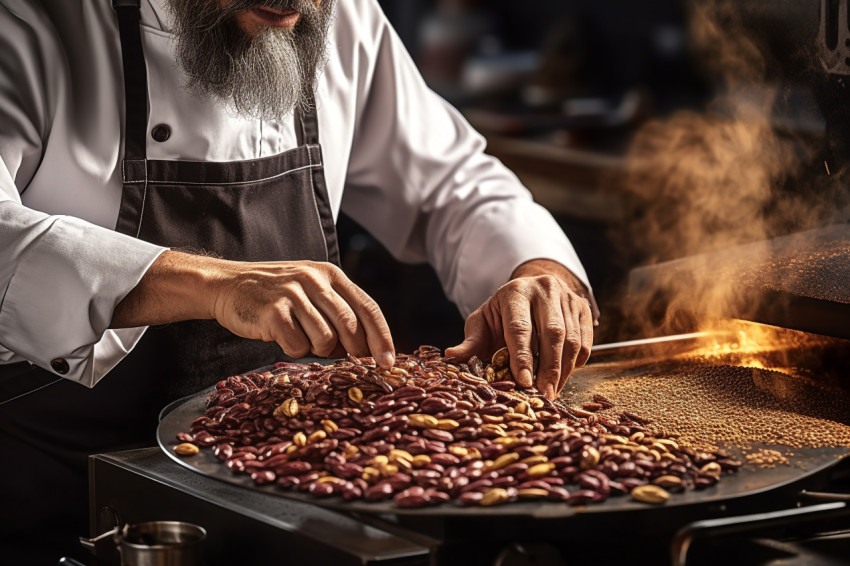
(822, 496)
(89, 543)
(744, 523)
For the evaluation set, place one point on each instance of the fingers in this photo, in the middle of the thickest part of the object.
(552, 336)
(323, 338)
(516, 317)
(304, 324)
(476, 338)
(586, 326)
(579, 335)
(341, 316)
(289, 335)
(368, 313)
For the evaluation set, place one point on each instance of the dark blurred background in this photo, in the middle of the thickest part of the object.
(558, 88)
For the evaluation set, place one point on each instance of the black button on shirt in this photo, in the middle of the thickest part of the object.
(161, 132)
(60, 365)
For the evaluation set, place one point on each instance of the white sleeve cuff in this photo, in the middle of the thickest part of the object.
(69, 276)
(505, 234)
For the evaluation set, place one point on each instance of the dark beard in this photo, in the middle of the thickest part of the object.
(264, 75)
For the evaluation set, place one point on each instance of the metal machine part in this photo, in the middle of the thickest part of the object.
(797, 281)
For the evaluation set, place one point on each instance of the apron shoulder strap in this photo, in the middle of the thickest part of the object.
(135, 79)
(309, 123)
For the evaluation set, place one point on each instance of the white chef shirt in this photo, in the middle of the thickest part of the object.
(398, 159)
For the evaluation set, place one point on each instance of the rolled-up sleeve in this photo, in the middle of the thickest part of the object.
(419, 180)
(60, 277)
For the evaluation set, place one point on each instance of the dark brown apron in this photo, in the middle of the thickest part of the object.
(269, 209)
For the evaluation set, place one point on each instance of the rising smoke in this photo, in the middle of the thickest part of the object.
(711, 180)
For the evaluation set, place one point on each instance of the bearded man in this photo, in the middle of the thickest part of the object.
(170, 176)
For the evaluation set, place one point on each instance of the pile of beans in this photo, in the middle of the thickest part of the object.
(430, 432)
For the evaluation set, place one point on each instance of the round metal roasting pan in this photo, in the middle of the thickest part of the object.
(748, 481)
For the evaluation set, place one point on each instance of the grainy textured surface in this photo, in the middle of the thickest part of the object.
(738, 406)
(814, 265)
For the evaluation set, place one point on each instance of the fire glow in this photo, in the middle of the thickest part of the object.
(749, 344)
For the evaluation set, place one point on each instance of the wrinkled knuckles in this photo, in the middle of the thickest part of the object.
(325, 344)
(372, 309)
(348, 323)
(524, 359)
(313, 278)
(555, 333)
(519, 326)
(573, 338)
(549, 282)
(332, 271)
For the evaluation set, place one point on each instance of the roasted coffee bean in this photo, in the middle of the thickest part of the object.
(296, 468)
(408, 501)
(588, 482)
(712, 469)
(504, 481)
(437, 434)
(729, 464)
(583, 497)
(433, 405)
(478, 485)
(204, 439)
(263, 477)
(186, 449)
(494, 496)
(444, 459)
(470, 498)
(513, 469)
(650, 494)
(668, 482)
(589, 457)
(321, 489)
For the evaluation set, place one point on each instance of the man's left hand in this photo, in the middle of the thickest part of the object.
(539, 312)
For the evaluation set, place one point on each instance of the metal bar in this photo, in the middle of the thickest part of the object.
(823, 496)
(729, 525)
(599, 348)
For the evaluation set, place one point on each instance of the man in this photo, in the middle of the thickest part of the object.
(127, 136)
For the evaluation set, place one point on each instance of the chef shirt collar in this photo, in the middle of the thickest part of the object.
(155, 14)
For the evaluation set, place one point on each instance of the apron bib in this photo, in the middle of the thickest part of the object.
(270, 209)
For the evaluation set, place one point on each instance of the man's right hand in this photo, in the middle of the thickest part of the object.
(306, 307)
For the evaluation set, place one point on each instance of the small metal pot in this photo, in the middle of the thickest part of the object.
(155, 543)
(161, 543)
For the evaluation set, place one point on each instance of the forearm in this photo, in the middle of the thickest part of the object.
(178, 286)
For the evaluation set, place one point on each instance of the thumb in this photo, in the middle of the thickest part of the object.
(475, 341)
